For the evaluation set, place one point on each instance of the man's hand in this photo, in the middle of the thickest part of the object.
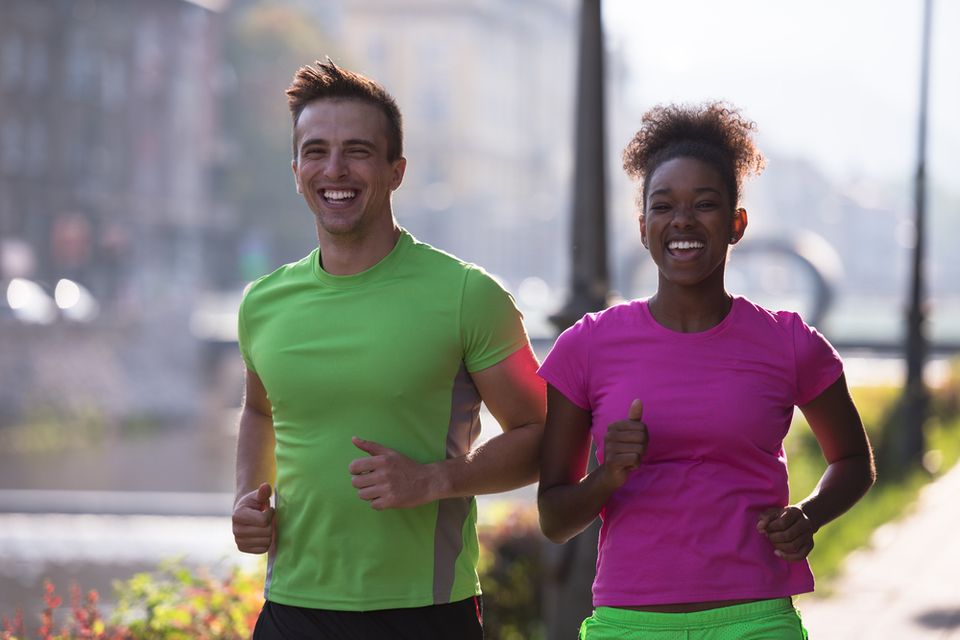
(253, 521)
(624, 446)
(390, 480)
(789, 530)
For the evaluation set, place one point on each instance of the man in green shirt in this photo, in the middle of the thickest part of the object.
(366, 363)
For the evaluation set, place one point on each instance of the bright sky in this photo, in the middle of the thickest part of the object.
(836, 81)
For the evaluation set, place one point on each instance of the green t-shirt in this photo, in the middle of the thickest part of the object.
(384, 355)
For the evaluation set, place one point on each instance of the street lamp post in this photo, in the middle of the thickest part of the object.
(910, 445)
(588, 232)
(570, 567)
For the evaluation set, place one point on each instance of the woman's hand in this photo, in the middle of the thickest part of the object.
(789, 530)
(624, 446)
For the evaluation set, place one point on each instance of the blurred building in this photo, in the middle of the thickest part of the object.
(486, 89)
(108, 136)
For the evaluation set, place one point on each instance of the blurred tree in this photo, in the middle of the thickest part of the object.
(265, 43)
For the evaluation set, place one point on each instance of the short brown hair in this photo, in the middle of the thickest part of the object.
(327, 80)
(713, 132)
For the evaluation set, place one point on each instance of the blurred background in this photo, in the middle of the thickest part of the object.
(145, 180)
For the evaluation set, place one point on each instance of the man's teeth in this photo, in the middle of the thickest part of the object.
(339, 195)
(685, 244)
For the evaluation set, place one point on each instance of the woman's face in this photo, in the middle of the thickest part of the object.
(689, 221)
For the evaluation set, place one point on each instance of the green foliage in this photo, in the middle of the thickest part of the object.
(174, 603)
(177, 603)
(945, 403)
(45, 428)
(84, 622)
(511, 574)
(892, 495)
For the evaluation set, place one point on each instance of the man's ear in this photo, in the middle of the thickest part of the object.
(399, 168)
(296, 175)
(738, 225)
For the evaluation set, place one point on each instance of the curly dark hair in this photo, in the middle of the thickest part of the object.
(713, 132)
(327, 80)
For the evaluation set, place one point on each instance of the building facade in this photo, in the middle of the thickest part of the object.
(486, 89)
(108, 137)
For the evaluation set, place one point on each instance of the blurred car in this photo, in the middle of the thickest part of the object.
(32, 302)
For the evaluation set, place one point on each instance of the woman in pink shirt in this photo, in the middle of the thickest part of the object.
(688, 395)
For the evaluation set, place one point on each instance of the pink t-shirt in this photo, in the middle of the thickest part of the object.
(717, 405)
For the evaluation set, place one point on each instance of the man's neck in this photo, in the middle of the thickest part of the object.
(345, 255)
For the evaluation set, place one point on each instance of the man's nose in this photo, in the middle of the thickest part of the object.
(335, 166)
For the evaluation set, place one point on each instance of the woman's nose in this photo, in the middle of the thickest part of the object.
(682, 216)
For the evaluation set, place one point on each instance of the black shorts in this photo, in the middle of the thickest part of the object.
(457, 621)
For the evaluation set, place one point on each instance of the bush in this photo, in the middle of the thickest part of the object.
(894, 492)
(85, 621)
(177, 602)
(511, 573)
(171, 604)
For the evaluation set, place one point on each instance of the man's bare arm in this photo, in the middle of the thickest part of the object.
(515, 395)
(256, 470)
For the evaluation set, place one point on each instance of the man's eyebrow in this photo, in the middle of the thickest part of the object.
(313, 142)
(360, 142)
(352, 142)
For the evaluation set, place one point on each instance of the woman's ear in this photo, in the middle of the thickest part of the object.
(643, 232)
(738, 225)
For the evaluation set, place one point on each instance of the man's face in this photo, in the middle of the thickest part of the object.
(341, 166)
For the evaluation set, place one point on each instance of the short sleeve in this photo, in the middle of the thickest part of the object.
(243, 339)
(818, 363)
(565, 367)
(490, 323)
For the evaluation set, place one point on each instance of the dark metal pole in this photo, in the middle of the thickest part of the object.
(588, 232)
(570, 567)
(915, 393)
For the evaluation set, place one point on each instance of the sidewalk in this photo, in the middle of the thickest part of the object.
(906, 586)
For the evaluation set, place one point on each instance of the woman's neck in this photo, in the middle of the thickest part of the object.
(689, 310)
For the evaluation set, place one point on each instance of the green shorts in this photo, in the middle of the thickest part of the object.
(766, 619)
